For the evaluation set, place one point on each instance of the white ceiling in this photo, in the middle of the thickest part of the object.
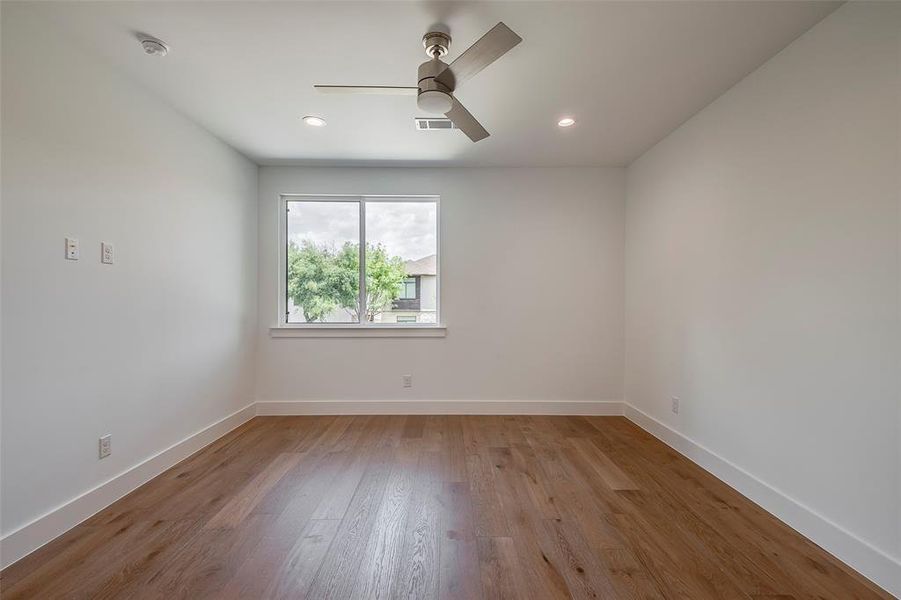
(629, 72)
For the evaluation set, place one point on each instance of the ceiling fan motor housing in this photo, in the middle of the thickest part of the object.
(433, 97)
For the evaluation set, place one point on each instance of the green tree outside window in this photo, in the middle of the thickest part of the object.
(321, 279)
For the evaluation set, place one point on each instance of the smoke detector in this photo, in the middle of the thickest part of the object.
(153, 46)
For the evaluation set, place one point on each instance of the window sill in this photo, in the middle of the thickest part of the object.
(356, 331)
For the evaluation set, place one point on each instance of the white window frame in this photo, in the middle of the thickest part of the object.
(364, 328)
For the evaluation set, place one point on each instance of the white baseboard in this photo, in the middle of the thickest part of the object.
(440, 407)
(871, 562)
(28, 538)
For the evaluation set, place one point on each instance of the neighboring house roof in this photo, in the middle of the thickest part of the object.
(427, 265)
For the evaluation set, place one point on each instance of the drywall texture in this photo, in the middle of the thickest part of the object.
(763, 275)
(151, 348)
(531, 290)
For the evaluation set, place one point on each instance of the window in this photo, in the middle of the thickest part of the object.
(337, 246)
(408, 289)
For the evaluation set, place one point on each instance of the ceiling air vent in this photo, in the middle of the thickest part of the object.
(425, 123)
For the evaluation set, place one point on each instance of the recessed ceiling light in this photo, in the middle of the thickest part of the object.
(566, 122)
(314, 121)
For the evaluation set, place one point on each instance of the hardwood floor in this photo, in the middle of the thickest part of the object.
(434, 507)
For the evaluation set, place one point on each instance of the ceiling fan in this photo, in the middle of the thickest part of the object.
(438, 80)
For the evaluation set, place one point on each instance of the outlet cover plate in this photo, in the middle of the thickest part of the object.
(106, 445)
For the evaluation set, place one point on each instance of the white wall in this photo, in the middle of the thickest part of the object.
(898, 173)
(150, 349)
(763, 280)
(547, 243)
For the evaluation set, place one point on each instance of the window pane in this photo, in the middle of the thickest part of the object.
(323, 262)
(401, 245)
(408, 289)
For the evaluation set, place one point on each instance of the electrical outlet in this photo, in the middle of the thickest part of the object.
(675, 405)
(106, 445)
(408, 381)
(106, 253)
(72, 249)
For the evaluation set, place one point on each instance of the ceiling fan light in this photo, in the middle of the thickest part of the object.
(434, 101)
(314, 121)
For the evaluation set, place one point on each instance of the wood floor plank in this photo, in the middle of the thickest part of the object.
(296, 575)
(606, 469)
(536, 552)
(285, 572)
(697, 562)
(458, 551)
(381, 559)
(582, 569)
(447, 507)
(123, 577)
(532, 479)
(417, 573)
(241, 504)
(434, 433)
(578, 509)
(366, 434)
(490, 520)
(414, 426)
(203, 566)
(336, 577)
(456, 452)
(294, 506)
(499, 569)
(309, 432)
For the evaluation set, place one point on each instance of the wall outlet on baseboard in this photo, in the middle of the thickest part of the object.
(106, 445)
(407, 381)
(675, 405)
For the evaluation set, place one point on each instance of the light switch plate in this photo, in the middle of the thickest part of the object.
(71, 249)
(106, 253)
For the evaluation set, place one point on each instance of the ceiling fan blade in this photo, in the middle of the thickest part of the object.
(490, 47)
(389, 90)
(465, 122)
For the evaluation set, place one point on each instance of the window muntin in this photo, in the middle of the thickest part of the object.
(326, 237)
